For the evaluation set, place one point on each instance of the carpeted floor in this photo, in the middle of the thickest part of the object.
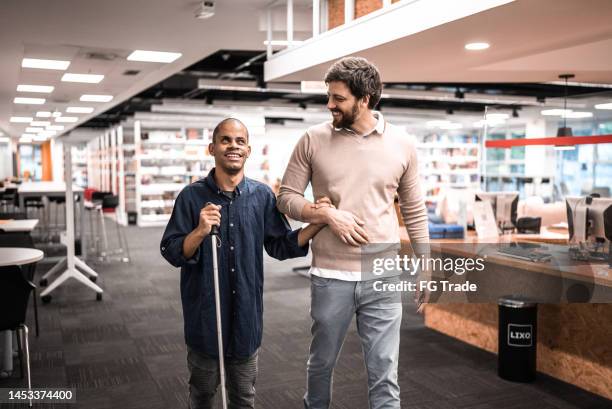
(127, 351)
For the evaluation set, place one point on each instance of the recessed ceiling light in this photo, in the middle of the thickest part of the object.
(43, 89)
(437, 123)
(577, 114)
(604, 106)
(33, 101)
(452, 125)
(555, 112)
(153, 56)
(55, 128)
(40, 123)
(96, 98)
(498, 116)
(43, 114)
(33, 129)
(477, 46)
(79, 110)
(88, 78)
(47, 133)
(55, 114)
(21, 119)
(25, 139)
(27, 135)
(44, 64)
(67, 119)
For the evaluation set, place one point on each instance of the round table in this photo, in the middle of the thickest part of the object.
(14, 256)
(18, 256)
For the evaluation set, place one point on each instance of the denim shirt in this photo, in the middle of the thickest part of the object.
(250, 222)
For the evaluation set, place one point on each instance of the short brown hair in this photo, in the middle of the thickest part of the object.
(360, 76)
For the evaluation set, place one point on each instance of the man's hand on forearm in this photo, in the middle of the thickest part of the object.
(345, 225)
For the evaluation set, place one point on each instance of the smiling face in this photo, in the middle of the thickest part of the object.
(230, 147)
(343, 105)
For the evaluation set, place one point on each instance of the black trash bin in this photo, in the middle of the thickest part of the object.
(517, 343)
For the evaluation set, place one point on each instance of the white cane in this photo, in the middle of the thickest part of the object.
(214, 233)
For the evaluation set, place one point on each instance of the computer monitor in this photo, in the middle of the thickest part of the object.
(589, 218)
(504, 205)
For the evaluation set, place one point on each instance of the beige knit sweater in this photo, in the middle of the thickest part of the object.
(359, 174)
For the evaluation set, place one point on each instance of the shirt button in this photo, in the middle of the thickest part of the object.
(231, 224)
(233, 270)
(234, 292)
(232, 248)
(163, 248)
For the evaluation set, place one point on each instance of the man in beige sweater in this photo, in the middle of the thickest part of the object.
(360, 162)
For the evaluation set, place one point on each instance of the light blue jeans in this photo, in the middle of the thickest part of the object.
(378, 314)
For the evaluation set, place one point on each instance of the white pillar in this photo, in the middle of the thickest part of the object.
(289, 22)
(349, 11)
(316, 17)
(269, 32)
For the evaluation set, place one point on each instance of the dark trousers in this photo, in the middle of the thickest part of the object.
(240, 376)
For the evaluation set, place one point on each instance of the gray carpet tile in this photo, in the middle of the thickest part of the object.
(128, 350)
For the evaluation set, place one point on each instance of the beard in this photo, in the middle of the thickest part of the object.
(347, 118)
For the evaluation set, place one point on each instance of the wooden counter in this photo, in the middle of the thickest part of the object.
(574, 340)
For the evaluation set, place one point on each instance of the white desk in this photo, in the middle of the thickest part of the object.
(18, 225)
(54, 189)
(14, 256)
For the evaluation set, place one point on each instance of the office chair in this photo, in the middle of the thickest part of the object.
(14, 293)
(21, 239)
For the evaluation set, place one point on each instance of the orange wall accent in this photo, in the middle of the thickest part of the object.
(335, 13)
(47, 163)
(363, 7)
(335, 10)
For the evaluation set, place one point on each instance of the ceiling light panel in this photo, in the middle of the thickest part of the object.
(21, 119)
(79, 110)
(40, 123)
(478, 46)
(43, 89)
(154, 56)
(555, 112)
(43, 114)
(67, 119)
(96, 98)
(32, 101)
(45, 64)
(86, 78)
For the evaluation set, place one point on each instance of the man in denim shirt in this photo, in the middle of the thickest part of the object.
(245, 211)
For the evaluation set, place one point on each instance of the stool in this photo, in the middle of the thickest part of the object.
(58, 201)
(36, 202)
(109, 205)
(8, 199)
